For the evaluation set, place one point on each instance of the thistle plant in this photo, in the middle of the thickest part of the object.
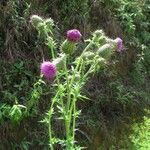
(69, 81)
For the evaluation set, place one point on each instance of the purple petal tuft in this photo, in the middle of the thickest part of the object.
(74, 35)
(119, 44)
(48, 70)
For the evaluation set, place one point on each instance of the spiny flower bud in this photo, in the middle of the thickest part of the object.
(101, 61)
(35, 20)
(99, 33)
(105, 51)
(74, 35)
(98, 38)
(76, 78)
(68, 47)
(88, 55)
(60, 61)
(49, 23)
(48, 70)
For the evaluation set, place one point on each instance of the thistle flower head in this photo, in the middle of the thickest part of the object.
(119, 43)
(48, 70)
(74, 35)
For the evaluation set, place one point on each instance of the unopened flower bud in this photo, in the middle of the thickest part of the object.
(101, 61)
(99, 33)
(88, 55)
(49, 23)
(60, 61)
(77, 77)
(68, 47)
(35, 20)
(105, 51)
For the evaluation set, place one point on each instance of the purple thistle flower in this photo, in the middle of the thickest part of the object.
(74, 35)
(48, 70)
(119, 43)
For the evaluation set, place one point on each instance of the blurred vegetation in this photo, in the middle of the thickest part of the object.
(119, 95)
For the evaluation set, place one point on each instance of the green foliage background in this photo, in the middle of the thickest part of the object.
(119, 95)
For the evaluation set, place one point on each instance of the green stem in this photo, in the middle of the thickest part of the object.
(51, 47)
(50, 128)
(72, 105)
(51, 107)
(69, 104)
(52, 51)
(67, 122)
(79, 63)
(49, 118)
(68, 87)
(51, 112)
(88, 72)
(74, 120)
